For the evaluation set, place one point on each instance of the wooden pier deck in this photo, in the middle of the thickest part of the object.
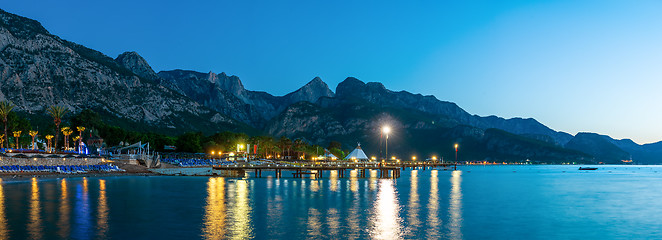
(385, 170)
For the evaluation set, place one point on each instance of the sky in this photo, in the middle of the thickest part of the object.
(575, 66)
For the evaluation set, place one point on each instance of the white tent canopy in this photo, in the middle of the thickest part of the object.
(357, 154)
(327, 156)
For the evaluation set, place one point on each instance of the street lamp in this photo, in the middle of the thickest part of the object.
(456, 152)
(386, 130)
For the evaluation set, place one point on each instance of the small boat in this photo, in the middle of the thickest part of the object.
(588, 168)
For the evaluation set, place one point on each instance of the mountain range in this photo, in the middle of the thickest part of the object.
(39, 69)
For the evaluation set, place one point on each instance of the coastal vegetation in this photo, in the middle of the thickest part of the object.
(89, 123)
(5, 109)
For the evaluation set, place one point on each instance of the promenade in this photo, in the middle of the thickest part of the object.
(385, 170)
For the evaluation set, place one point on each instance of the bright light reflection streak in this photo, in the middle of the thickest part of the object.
(373, 173)
(102, 220)
(63, 222)
(241, 213)
(455, 208)
(373, 180)
(333, 181)
(275, 209)
(82, 212)
(4, 234)
(353, 180)
(214, 221)
(413, 201)
(314, 224)
(314, 185)
(386, 221)
(353, 218)
(433, 206)
(34, 225)
(332, 221)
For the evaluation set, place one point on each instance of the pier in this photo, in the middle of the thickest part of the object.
(385, 170)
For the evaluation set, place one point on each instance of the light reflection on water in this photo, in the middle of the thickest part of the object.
(63, 223)
(314, 224)
(354, 180)
(455, 209)
(240, 213)
(353, 214)
(3, 219)
(333, 221)
(387, 223)
(433, 206)
(414, 204)
(102, 211)
(214, 226)
(422, 204)
(82, 211)
(34, 225)
(333, 180)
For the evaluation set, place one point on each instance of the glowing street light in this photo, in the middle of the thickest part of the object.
(456, 145)
(386, 130)
(413, 158)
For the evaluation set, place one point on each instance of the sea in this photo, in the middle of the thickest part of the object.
(472, 202)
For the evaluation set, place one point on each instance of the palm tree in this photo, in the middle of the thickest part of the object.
(80, 136)
(66, 131)
(49, 137)
(33, 134)
(57, 112)
(17, 135)
(5, 109)
(298, 147)
(75, 139)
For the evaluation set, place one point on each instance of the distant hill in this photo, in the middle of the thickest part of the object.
(38, 69)
(602, 149)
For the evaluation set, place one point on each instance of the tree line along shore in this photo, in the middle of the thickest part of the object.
(57, 130)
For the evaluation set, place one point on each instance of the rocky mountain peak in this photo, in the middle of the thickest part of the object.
(137, 64)
(212, 77)
(348, 87)
(376, 86)
(21, 27)
(310, 92)
(316, 80)
(231, 84)
(317, 85)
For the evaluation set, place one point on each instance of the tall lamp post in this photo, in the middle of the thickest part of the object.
(456, 152)
(386, 130)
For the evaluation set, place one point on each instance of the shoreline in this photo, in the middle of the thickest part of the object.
(21, 177)
(129, 170)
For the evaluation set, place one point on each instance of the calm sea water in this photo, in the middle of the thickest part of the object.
(477, 202)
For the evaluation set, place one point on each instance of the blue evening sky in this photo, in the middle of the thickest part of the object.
(573, 65)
